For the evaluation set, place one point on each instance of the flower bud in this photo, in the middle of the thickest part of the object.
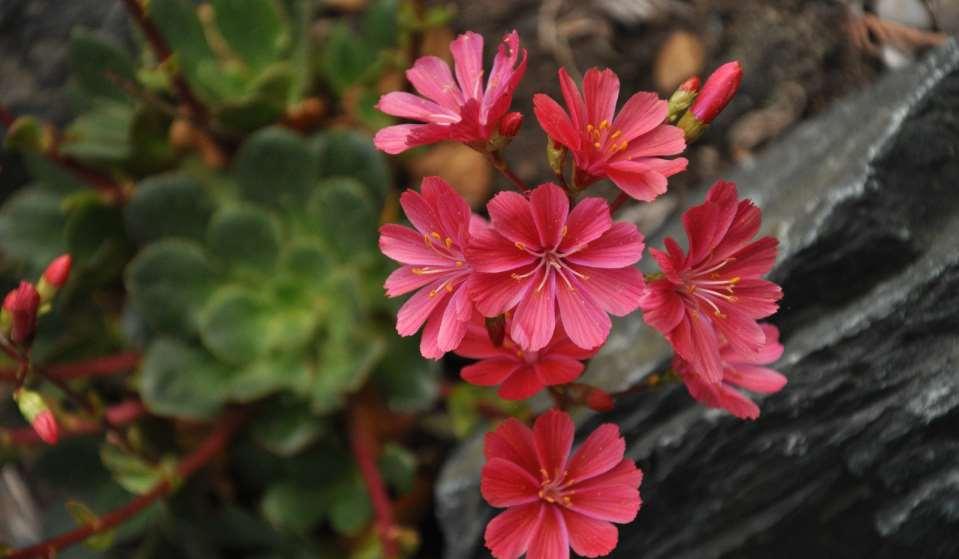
(683, 97)
(35, 410)
(599, 400)
(510, 123)
(54, 277)
(20, 313)
(556, 155)
(716, 93)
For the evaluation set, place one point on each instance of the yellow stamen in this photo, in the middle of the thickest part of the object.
(449, 242)
(436, 235)
(519, 245)
(564, 231)
(615, 134)
(459, 263)
(604, 125)
(596, 145)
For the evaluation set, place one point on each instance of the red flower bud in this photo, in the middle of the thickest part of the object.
(510, 123)
(691, 85)
(22, 304)
(45, 425)
(58, 272)
(600, 400)
(716, 93)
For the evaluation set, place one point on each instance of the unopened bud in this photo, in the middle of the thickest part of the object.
(510, 123)
(599, 400)
(30, 135)
(683, 97)
(54, 277)
(35, 410)
(716, 93)
(20, 309)
(556, 155)
(496, 328)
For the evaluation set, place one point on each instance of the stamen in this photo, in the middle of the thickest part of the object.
(436, 235)
(604, 125)
(562, 233)
(459, 263)
(449, 242)
(615, 134)
(596, 145)
(519, 245)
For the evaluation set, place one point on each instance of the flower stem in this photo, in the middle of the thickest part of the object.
(363, 444)
(224, 431)
(117, 415)
(618, 202)
(500, 164)
(95, 367)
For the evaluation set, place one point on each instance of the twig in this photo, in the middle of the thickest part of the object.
(500, 164)
(162, 52)
(214, 444)
(95, 367)
(118, 415)
(363, 444)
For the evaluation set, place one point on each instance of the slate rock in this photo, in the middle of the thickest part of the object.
(859, 455)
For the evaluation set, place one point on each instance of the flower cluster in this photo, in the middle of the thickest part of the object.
(529, 292)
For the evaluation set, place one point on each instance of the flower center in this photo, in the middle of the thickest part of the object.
(604, 139)
(554, 263)
(709, 286)
(445, 248)
(556, 491)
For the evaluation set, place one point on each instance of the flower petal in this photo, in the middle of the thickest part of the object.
(601, 90)
(451, 210)
(401, 137)
(504, 77)
(617, 292)
(550, 207)
(512, 441)
(553, 438)
(476, 343)
(467, 50)
(489, 372)
(490, 252)
(418, 308)
(558, 369)
(622, 245)
(407, 246)
(590, 537)
(431, 77)
(598, 454)
(574, 101)
(551, 540)
(555, 122)
(663, 308)
(495, 294)
(695, 340)
(535, 319)
(589, 219)
(508, 535)
(614, 502)
(429, 344)
(506, 484)
(512, 218)
(452, 327)
(762, 380)
(584, 321)
(520, 385)
(660, 141)
(403, 280)
(637, 180)
(407, 105)
(641, 113)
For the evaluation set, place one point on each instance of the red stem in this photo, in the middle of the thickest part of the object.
(363, 443)
(95, 367)
(500, 164)
(618, 202)
(213, 445)
(116, 416)
(162, 52)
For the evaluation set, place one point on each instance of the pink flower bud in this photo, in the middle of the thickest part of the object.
(45, 425)
(691, 85)
(600, 400)
(510, 123)
(716, 93)
(58, 272)
(22, 304)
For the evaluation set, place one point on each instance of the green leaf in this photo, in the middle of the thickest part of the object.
(84, 517)
(168, 282)
(379, 24)
(294, 507)
(97, 64)
(252, 28)
(100, 135)
(289, 428)
(169, 205)
(96, 238)
(351, 154)
(350, 509)
(131, 472)
(307, 260)
(31, 228)
(398, 467)
(345, 217)
(347, 58)
(182, 29)
(181, 381)
(246, 238)
(265, 102)
(268, 375)
(275, 167)
(409, 382)
(232, 324)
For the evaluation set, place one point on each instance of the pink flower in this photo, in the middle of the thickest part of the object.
(739, 371)
(458, 110)
(713, 295)
(554, 501)
(433, 264)
(542, 259)
(520, 374)
(628, 148)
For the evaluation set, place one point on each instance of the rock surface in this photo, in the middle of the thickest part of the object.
(859, 455)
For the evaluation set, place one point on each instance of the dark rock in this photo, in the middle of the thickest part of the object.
(859, 455)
